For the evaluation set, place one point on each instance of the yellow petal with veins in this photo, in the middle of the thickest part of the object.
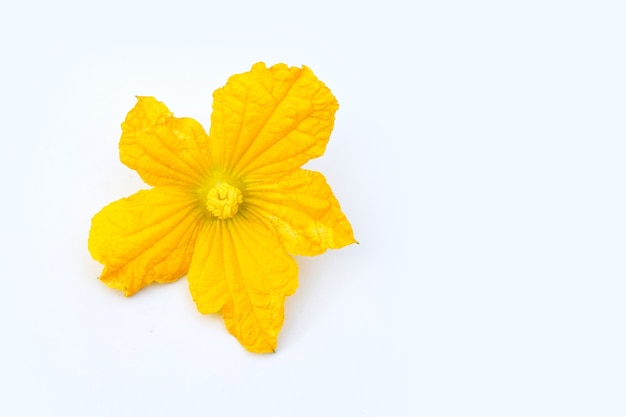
(302, 208)
(163, 149)
(240, 267)
(147, 237)
(207, 282)
(270, 120)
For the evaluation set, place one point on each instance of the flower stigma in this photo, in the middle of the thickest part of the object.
(223, 200)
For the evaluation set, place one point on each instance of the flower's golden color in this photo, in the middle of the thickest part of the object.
(228, 208)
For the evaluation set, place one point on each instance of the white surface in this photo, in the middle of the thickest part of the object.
(478, 152)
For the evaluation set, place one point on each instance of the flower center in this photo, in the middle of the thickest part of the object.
(223, 200)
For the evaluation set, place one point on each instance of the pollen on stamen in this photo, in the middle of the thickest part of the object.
(223, 200)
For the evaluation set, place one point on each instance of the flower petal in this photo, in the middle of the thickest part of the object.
(302, 208)
(147, 237)
(207, 282)
(240, 267)
(163, 149)
(271, 121)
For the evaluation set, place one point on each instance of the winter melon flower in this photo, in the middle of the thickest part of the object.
(230, 208)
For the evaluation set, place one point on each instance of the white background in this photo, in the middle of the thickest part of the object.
(478, 152)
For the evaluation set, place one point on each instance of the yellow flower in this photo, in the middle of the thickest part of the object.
(229, 208)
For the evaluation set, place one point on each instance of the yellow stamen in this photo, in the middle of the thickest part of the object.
(223, 200)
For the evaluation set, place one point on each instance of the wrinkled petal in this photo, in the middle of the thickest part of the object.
(147, 237)
(240, 267)
(270, 121)
(163, 149)
(207, 282)
(302, 208)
